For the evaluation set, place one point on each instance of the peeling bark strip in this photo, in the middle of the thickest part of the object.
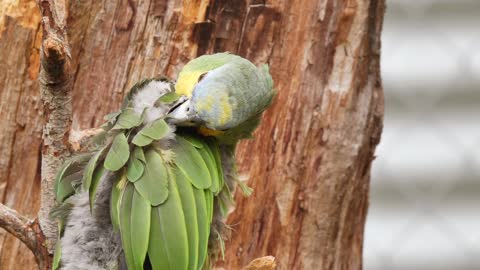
(55, 85)
(311, 167)
(263, 263)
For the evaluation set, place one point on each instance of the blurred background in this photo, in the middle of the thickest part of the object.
(425, 193)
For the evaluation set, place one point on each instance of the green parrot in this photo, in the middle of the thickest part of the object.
(153, 190)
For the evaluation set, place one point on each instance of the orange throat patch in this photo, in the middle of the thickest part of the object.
(209, 132)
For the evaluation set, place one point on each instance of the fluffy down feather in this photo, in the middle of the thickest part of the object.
(89, 242)
(145, 98)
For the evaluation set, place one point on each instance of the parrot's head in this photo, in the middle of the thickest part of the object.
(221, 91)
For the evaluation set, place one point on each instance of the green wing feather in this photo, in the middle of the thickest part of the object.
(203, 226)
(97, 176)
(168, 247)
(153, 184)
(140, 228)
(215, 150)
(210, 161)
(70, 175)
(190, 161)
(189, 207)
(115, 201)
(128, 119)
(141, 140)
(180, 226)
(205, 151)
(135, 168)
(209, 202)
(125, 214)
(118, 154)
(157, 130)
(57, 255)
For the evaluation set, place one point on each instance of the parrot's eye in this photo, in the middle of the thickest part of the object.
(202, 76)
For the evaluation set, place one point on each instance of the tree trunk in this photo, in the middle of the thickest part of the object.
(20, 122)
(310, 167)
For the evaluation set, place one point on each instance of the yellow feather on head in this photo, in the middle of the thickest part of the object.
(186, 82)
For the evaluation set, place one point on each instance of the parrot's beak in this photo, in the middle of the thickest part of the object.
(181, 113)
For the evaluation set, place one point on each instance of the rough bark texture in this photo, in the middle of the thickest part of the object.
(20, 121)
(311, 165)
(55, 89)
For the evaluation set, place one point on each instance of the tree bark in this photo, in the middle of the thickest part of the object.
(20, 121)
(313, 152)
(311, 165)
(55, 89)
